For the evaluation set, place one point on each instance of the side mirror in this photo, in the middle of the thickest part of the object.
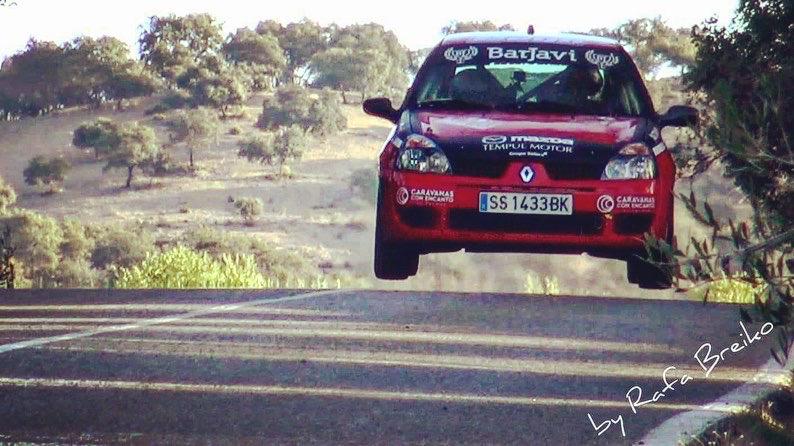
(382, 108)
(679, 116)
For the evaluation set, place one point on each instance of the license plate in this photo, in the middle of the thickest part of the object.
(536, 204)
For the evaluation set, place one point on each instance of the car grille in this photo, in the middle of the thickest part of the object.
(489, 168)
(577, 224)
(418, 217)
(479, 168)
(570, 171)
(633, 224)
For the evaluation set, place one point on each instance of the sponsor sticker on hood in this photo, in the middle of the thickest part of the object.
(636, 203)
(528, 145)
(422, 195)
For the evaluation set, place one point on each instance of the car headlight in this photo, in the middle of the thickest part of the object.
(633, 162)
(421, 154)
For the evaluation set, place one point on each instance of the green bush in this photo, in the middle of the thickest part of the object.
(182, 267)
(121, 247)
(37, 241)
(77, 273)
(171, 101)
(77, 244)
(196, 128)
(292, 105)
(7, 267)
(7, 196)
(280, 264)
(100, 135)
(257, 148)
(328, 115)
(732, 291)
(249, 208)
(163, 164)
(46, 174)
(289, 144)
(236, 130)
(285, 145)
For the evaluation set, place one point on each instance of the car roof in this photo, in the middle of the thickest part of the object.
(495, 37)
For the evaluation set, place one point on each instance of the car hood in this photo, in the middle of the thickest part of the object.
(524, 135)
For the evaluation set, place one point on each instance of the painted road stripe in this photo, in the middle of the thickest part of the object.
(547, 366)
(161, 308)
(169, 325)
(159, 321)
(86, 323)
(330, 392)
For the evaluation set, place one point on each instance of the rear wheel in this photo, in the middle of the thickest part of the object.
(641, 270)
(393, 261)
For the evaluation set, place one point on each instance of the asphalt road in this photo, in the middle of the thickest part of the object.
(352, 367)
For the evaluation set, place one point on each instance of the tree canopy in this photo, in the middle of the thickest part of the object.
(363, 58)
(46, 173)
(7, 196)
(260, 56)
(195, 128)
(653, 43)
(137, 148)
(746, 72)
(300, 41)
(171, 45)
(46, 76)
(120, 145)
(471, 26)
(294, 105)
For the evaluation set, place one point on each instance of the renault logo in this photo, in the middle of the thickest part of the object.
(527, 174)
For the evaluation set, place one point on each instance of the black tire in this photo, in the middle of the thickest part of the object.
(392, 261)
(647, 275)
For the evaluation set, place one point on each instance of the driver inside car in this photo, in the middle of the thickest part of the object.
(577, 86)
(477, 85)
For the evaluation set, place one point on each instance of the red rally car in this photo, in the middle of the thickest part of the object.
(510, 142)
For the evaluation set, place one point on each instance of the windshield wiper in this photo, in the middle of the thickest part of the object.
(546, 106)
(452, 103)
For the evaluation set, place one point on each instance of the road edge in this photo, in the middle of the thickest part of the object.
(685, 425)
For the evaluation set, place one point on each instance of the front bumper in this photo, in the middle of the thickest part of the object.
(441, 213)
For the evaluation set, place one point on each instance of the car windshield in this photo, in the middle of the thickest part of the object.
(575, 81)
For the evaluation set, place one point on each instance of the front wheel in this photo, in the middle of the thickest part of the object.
(392, 261)
(641, 270)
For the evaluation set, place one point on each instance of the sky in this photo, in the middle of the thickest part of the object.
(417, 23)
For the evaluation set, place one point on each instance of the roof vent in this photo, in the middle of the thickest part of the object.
(531, 30)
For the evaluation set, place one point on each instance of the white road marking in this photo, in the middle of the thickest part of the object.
(696, 421)
(159, 308)
(251, 351)
(339, 332)
(370, 394)
(159, 321)
(86, 323)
